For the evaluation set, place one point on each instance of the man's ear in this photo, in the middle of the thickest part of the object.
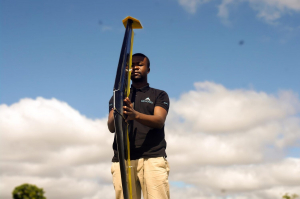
(148, 71)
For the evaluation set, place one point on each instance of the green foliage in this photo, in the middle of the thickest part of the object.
(287, 196)
(28, 191)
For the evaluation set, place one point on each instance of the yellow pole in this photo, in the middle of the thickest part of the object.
(127, 95)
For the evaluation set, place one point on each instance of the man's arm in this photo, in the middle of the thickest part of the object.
(111, 122)
(157, 120)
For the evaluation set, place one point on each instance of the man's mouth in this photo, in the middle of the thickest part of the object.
(135, 73)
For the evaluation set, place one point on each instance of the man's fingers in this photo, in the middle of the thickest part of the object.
(126, 102)
(126, 108)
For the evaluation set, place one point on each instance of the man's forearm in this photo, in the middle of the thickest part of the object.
(111, 126)
(111, 122)
(152, 121)
(157, 120)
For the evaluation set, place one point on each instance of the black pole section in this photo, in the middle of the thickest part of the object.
(121, 153)
(119, 88)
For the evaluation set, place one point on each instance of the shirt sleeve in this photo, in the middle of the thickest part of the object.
(111, 104)
(163, 100)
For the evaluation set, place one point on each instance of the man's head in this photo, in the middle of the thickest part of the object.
(137, 57)
(140, 67)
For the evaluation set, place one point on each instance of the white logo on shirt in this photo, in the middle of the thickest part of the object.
(147, 100)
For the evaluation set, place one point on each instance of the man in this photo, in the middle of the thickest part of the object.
(146, 109)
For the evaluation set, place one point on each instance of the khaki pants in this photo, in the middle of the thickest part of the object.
(148, 174)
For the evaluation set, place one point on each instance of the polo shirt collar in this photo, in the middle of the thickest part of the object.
(143, 89)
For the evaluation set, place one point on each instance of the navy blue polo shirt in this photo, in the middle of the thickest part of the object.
(145, 142)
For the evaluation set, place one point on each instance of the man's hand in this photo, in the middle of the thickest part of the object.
(157, 120)
(129, 110)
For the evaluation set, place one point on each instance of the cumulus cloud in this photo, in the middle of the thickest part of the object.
(191, 5)
(222, 110)
(221, 143)
(48, 143)
(268, 10)
(231, 126)
(193, 192)
(60, 187)
(237, 178)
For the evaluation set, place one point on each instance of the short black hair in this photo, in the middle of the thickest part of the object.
(142, 55)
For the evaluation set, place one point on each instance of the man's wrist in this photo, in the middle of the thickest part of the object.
(137, 115)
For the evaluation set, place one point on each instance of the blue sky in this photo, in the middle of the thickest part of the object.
(69, 50)
(230, 67)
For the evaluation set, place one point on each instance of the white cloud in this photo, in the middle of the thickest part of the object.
(221, 143)
(191, 5)
(193, 192)
(268, 10)
(222, 110)
(48, 143)
(223, 11)
(237, 178)
(230, 126)
(59, 187)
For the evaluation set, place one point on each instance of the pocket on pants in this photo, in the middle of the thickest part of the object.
(158, 162)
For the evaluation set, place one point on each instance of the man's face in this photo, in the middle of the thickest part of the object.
(140, 68)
